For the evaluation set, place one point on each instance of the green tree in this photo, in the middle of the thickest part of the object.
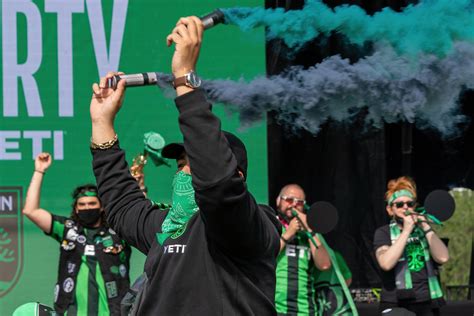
(459, 230)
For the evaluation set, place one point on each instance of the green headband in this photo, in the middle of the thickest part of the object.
(398, 194)
(86, 193)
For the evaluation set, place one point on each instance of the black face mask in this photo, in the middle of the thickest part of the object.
(88, 218)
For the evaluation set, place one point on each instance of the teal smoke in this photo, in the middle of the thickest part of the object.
(383, 87)
(431, 26)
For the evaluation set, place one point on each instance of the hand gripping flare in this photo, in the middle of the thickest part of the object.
(150, 78)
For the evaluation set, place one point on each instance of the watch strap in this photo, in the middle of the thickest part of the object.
(180, 81)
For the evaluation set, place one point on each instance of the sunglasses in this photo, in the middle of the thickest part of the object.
(401, 204)
(291, 200)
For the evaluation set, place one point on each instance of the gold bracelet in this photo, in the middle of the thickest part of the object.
(105, 145)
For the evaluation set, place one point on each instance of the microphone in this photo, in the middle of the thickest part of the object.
(305, 228)
(150, 78)
(295, 214)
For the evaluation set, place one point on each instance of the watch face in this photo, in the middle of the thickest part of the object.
(193, 80)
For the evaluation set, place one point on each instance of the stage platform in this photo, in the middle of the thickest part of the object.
(453, 308)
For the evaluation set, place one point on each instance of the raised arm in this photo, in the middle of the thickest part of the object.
(232, 217)
(388, 255)
(438, 249)
(320, 255)
(290, 231)
(128, 211)
(42, 218)
(104, 106)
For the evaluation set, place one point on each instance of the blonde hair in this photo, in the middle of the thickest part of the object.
(401, 183)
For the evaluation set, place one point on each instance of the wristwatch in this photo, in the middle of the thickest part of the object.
(190, 80)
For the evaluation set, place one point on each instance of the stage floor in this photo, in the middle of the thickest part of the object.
(453, 308)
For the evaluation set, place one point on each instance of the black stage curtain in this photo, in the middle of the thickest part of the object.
(349, 166)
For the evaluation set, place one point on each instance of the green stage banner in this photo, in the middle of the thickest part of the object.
(52, 52)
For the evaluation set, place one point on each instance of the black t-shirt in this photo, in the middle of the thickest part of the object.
(419, 279)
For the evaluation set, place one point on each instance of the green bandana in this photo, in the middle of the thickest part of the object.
(415, 258)
(86, 193)
(398, 194)
(183, 207)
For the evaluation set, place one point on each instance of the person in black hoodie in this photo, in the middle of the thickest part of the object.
(214, 251)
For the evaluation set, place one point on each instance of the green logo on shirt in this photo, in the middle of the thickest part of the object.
(416, 257)
(114, 269)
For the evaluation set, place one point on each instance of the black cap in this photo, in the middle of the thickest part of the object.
(174, 151)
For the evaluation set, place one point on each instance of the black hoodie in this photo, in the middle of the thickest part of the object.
(224, 261)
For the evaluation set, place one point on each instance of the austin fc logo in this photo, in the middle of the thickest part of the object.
(11, 238)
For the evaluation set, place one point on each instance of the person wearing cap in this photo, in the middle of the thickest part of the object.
(298, 258)
(94, 262)
(214, 251)
(408, 251)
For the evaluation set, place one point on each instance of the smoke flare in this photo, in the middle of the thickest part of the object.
(386, 87)
(430, 26)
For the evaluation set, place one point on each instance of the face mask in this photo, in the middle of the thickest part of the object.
(184, 205)
(88, 218)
